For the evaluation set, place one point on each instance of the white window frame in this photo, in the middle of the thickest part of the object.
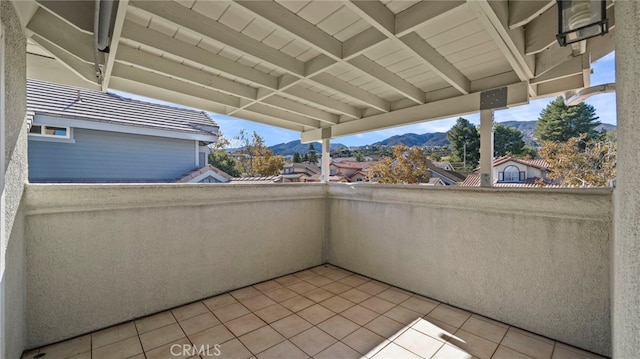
(44, 126)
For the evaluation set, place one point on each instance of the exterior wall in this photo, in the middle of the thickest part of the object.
(13, 334)
(536, 259)
(530, 172)
(101, 156)
(362, 178)
(501, 167)
(98, 255)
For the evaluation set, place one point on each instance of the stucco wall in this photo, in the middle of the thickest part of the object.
(626, 288)
(536, 259)
(12, 275)
(98, 255)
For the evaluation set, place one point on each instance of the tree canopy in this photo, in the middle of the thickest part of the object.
(507, 141)
(581, 161)
(559, 122)
(219, 158)
(464, 132)
(311, 154)
(255, 159)
(409, 166)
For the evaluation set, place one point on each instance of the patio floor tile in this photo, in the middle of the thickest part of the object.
(324, 312)
(272, 313)
(365, 341)
(113, 334)
(312, 341)
(199, 323)
(338, 350)
(245, 324)
(161, 336)
(291, 325)
(189, 311)
(156, 321)
(261, 339)
(122, 349)
(450, 315)
(338, 326)
(283, 350)
(297, 303)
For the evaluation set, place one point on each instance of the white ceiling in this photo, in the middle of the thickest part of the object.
(324, 68)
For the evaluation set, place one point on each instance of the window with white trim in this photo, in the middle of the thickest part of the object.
(511, 174)
(50, 131)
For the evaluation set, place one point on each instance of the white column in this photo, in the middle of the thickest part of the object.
(326, 161)
(626, 240)
(486, 148)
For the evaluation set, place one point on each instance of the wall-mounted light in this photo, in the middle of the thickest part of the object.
(581, 19)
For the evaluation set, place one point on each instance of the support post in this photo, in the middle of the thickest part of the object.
(326, 161)
(626, 214)
(486, 148)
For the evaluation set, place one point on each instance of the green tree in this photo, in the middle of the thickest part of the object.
(464, 132)
(409, 166)
(559, 122)
(507, 141)
(581, 161)
(528, 152)
(311, 154)
(296, 157)
(359, 156)
(255, 158)
(220, 158)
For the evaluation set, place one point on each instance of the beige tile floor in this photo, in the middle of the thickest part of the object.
(323, 312)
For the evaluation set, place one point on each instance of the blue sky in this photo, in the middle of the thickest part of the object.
(605, 105)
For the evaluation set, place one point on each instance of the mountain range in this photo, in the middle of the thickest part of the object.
(289, 148)
(528, 129)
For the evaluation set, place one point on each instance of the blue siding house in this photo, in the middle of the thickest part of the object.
(79, 135)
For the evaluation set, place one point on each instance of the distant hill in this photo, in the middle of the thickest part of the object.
(605, 127)
(412, 139)
(528, 129)
(289, 148)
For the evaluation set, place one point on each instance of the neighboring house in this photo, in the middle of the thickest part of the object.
(360, 176)
(208, 174)
(515, 172)
(441, 171)
(79, 135)
(349, 168)
(299, 172)
(445, 165)
(434, 181)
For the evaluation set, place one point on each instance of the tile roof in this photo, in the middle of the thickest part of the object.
(200, 171)
(354, 164)
(45, 98)
(303, 167)
(451, 175)
(537, 163)
(338, 178)
(473, 180)
(257, 179)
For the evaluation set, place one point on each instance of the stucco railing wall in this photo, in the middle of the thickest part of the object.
(536, 259)
(98, 255)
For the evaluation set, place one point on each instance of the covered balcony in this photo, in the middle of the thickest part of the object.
(483, 272)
